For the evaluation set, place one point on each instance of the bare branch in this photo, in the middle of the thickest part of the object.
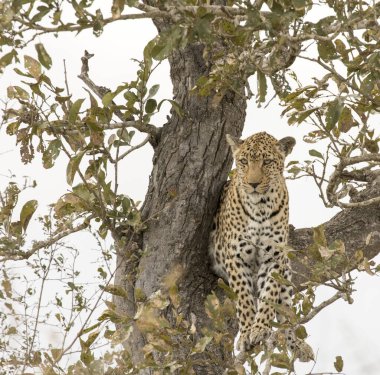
(335, 180)
(133, 148)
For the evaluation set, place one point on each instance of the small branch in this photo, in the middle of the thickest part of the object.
(340, 78)
(363, 175)
(269, 352)
(64, 126)
(316, 310)
(19, 254)
(334, 181)
(100, 91)
(133, 148)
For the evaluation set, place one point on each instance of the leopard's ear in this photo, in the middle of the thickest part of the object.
(233, 142)
(286, 145)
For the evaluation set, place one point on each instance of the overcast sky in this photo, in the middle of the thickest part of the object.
(347, 330)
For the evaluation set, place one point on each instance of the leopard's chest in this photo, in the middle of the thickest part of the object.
(258, 225)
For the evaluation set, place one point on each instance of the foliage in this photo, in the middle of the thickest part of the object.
(243, 43)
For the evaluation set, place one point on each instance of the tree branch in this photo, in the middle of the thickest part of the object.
(19, 254)
(352, 226)
(100, 91)
(133, 148)
(335, 180)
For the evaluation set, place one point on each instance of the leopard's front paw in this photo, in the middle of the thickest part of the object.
(244, 344)
(303, 351)
(258, 333)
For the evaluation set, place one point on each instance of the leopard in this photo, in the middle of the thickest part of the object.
(248, 241)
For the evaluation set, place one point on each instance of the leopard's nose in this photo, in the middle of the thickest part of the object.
(255, 184)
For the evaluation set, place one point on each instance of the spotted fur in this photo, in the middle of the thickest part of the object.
(250, 229)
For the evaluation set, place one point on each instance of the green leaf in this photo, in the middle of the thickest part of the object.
(51, 153)
(301, 332)
(74, 111)
(73, 166)
(299, 4)
(338, 364)
(315, 153)
(338, 246)
(368, 83)
(35, 87)
(33, 66)
(42, 12)
(107, 98)
(371, 145)
(56, 353)
(177, 108)
(295, 171)
(17, 5)
(323, 23)
(341, 48)
(303, 115)
(11, 331)
(280, 360)
(116, 290)
(150, 105)
(153, 91)
(227, 289)
(117, 8)
(43, 56)
(326, 50)
(346, 120)
(319, 236)
(334, 109)
(17, 92)
(166, 43)
(27, 212)
(7, 59)
(91, 338)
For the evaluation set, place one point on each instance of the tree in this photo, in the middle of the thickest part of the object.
(213, 49)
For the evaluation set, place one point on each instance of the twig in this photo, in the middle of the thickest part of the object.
(320, 307)
(43, 281)
(19, 254)
(66, 80)
(133, 148)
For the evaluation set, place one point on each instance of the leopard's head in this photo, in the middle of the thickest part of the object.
(260, 160)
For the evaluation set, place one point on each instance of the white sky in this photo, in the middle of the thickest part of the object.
(342, 329)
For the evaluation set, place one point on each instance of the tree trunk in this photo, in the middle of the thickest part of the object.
(190, 165)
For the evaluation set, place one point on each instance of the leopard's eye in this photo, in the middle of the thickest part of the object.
(244, 161)
(267, 161)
